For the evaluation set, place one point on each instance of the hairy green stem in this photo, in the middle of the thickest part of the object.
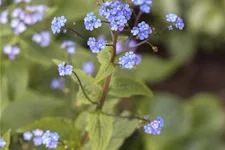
(76, 33)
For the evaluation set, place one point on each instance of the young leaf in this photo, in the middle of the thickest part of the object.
(66, 129)
(6, 137)
(106, 67)
(100, 129)
(126, 87)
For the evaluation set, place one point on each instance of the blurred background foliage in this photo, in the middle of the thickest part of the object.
(186, 74)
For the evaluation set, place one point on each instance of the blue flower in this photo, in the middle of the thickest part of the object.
(142, 31)
(57, 24)
(69, 46)
(38, 141)
(129, 60)
(171, 17)
(2, 142)
(91, 22)
(88, 67)
(4, 17)
(145, 5)
(38, 132)
(179, 23)
(175, 20)
(50, 139)
(19, 1)
(27, 136)
(58, 83)
(116, 13)
(154, 127)
(11, 51)
(65, 69)
(43, 38)
(96, 46)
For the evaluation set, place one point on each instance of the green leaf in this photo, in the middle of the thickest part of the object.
(126, 87)
(17, 74)
(100, 129)
(123, 128)
(207, 113)
(106, 67)
(6, 137)
(31, 106)
(104, 71)
(93, 90)
(66, 129)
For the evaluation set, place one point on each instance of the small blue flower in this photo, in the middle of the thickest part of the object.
(2, 142)
(129, 60)
(70, 47)
(175, 20)
(145, 5)
(57, 24)
(50, 139)
(96, 46)
(43, 38)
(154, 127)
(4, 17)
(91, 22)
(11, 51)
(170, 27)
(65, 69)
(27, 136)
(88, 67)
(38, 141)
(171, 17)
(58, 83)
(38, 132)
(142, 31)
(179, 23)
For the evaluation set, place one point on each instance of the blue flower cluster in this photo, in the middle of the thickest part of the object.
(47, 138)
(91, 22)
(30, 15)
(11, 51)
(88, 67)
(154, 127)
(95, 45)
(176, 20)
(116, 13)
(69, 46)
(57, 24)
(142, 30)
(2, 142)
(129, 60)
(43, 38)
(58, 83)
(65, 69)
(145, 5)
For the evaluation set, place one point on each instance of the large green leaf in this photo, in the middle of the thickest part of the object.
(17, 74)
(29, 107)
(106, 67)
(126, 87)
(66, 129)
(207, 113)
(100, 130)
(6, 137)
(123, 128)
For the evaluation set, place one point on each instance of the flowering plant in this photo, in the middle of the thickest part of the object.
(94, 91)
